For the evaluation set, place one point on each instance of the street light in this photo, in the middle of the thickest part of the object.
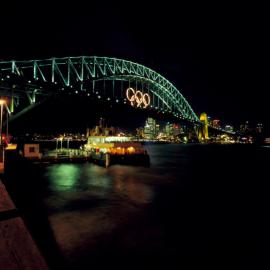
(2, 103)
(61, 141)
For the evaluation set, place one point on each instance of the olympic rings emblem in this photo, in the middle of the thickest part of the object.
(137, 98)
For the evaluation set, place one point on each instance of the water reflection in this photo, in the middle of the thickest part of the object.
(130, 186)
(163, 211)
(93, 202)
(117, 181)
(95, 176)
(62, 177)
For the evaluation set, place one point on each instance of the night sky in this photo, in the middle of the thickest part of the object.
(217, 55)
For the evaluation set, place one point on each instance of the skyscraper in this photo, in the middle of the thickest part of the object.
(150, 129)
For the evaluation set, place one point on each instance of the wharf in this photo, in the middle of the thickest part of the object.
(17, 248)
(60, 156)
(69, 155)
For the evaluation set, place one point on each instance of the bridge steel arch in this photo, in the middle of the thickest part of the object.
(78, 72)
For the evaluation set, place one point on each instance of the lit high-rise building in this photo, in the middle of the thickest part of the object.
(176, 130)
(228, 128)
(259, 127)
(169, 129)
(216, 123)
(244, 127)
(150, 128)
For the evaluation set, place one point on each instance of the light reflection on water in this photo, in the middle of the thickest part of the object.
(82, 178)
(131, 185)
(169, 208)
(62, 176)
(87, 203)
(68, 177)
(118, 178)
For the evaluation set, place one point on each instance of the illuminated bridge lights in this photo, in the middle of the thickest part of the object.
(138, 98)
(69, 71)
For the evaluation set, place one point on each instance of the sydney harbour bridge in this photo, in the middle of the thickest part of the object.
(130, 83)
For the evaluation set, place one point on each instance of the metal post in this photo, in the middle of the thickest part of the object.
(53, 68)
(68, 75)
(7, 129)
(12, 99)
(93, 86)
(1, 123)
(113, 87)
(107, 160)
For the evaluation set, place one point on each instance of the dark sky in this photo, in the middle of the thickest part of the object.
(217, 54)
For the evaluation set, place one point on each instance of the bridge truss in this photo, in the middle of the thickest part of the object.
(89, 76)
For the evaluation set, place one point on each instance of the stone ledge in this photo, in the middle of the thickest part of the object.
(17, 248)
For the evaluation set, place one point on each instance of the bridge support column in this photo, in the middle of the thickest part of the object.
(203, 129)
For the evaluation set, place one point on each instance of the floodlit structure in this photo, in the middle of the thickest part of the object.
(105, 78)
(81, 74)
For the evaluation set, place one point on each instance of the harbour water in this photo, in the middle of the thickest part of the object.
(196, 205)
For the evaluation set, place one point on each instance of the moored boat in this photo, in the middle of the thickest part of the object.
(105, 147)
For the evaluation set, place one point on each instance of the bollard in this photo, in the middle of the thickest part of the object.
(107, 160)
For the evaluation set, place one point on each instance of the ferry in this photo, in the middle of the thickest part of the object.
(106, 147)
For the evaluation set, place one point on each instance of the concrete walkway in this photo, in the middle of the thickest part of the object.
(17, 248)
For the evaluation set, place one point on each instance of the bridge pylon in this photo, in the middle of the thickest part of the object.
(203, 129)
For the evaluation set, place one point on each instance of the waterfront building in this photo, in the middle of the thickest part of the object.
(259, 128)
(244, 127)
(168, 129)
(216, 123)
(151, 129)
(176, 130)
(228, 128)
